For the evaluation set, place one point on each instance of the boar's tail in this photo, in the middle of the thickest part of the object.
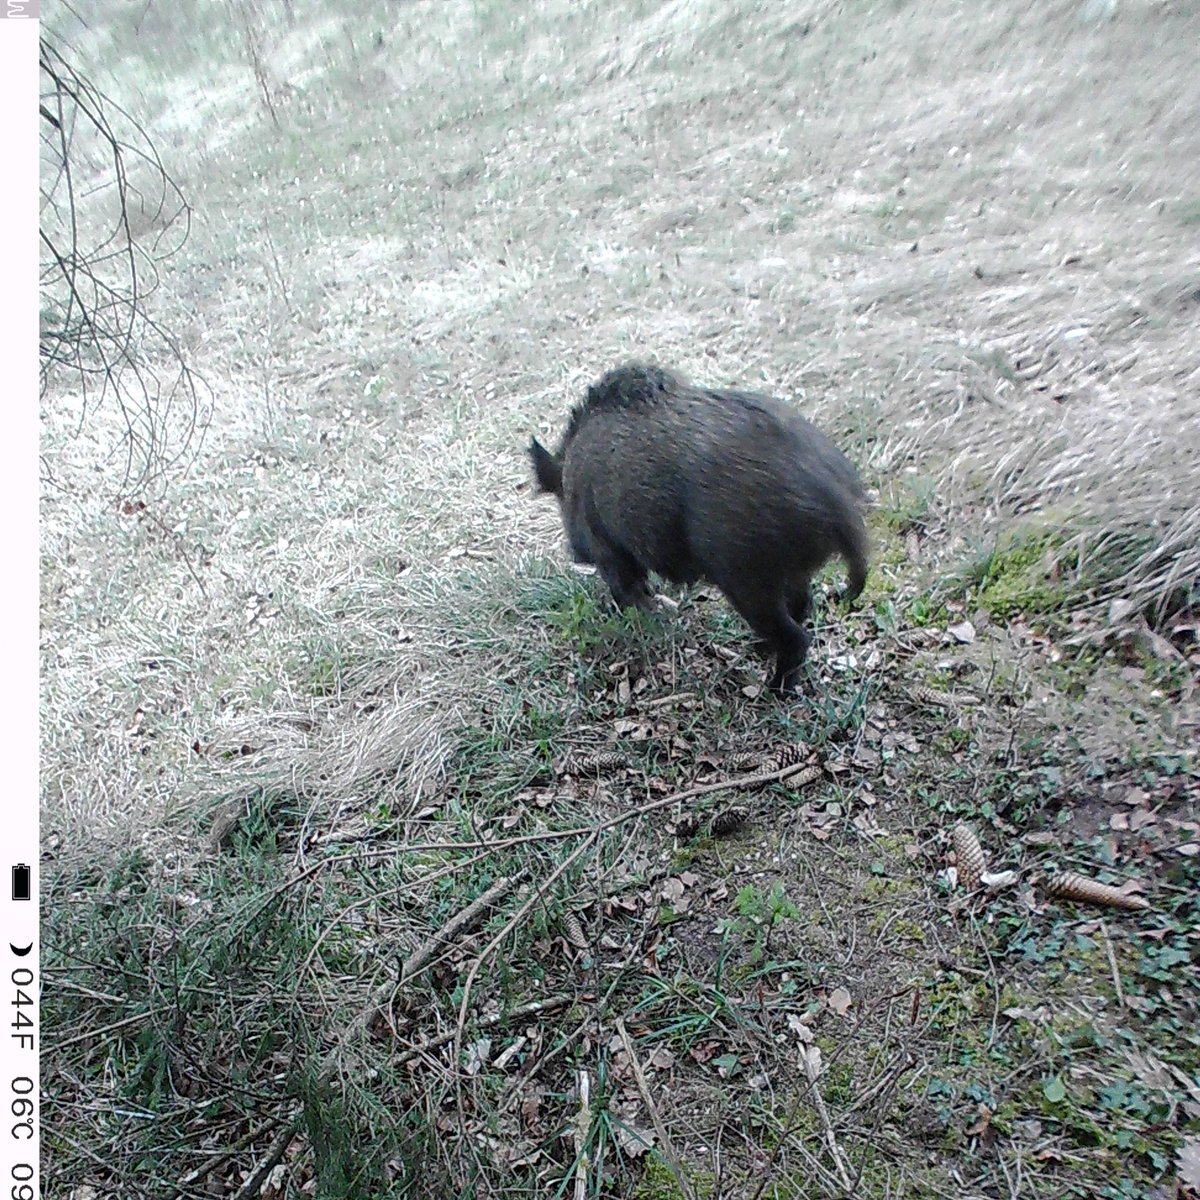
(854, 551)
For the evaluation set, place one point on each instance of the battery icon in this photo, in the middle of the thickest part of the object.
(20, 882)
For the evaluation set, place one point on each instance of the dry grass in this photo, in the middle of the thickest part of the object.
(1031, 351)
(971, 258)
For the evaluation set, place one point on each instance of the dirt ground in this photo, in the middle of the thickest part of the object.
(395, 861)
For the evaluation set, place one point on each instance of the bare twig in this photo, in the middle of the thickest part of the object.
(98, 273)
(533, 1009)
(812, 1068)
(583, 1133)
(669, 1153)
(461, 920)
(275, 1151)
(1112, 966)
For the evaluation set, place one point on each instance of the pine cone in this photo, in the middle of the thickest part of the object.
(573, 929)
(1067, 885)
(728, 820)
(803, 778)
(968, 855)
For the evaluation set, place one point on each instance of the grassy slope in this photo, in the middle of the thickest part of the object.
(972, 257)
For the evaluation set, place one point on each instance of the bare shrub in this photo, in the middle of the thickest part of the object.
(110, 215)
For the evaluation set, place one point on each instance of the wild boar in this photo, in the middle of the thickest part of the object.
(692, 483)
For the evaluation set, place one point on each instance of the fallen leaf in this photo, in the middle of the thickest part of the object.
(963, 632)
(799, 1028)
(530, 1107)
(661, 1059)
(996, 880)
(477, 1056)
(634, 1142)
(1039, 839)
(524, 1159)
(982, 1124)
(1187, 1163)
(1020, 1013)
(728, 1065)
(839, 1000)
(812, 1061)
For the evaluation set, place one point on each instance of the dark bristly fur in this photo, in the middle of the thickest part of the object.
(694, 483)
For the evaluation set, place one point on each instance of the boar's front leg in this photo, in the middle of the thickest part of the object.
(625, 576)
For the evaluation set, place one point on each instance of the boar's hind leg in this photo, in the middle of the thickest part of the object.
(800, 605)
(773, 622)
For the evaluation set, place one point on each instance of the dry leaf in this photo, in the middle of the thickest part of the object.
(660, 1059)
(634, 1142)
(672, 891)
(477, 1056)
(812, 1061)
(982, 1123)
(1187, 1163)
(995, 881)
(1043, 838)
(963, 632)
(839, 1000)
(531, 1107)
(799, 1028)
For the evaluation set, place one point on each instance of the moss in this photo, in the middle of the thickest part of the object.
(888, 558)
(888, 885)
(837, 1085)
(1022, 575)
(950, 741)
(658, 1182)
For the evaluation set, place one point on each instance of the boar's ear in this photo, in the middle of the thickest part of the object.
(546, 468)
